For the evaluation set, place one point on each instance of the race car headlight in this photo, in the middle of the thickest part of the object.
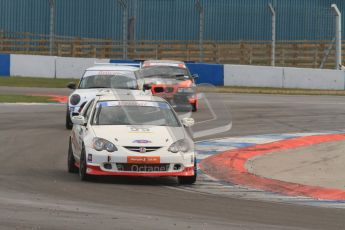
(185, 90)
(75, 99)
(179, 146)
(100, 144)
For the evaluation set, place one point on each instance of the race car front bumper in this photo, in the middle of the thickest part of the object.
(183, 102)
(126, 163)
(98, 171)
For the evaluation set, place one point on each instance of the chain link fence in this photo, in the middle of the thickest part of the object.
(257, 32)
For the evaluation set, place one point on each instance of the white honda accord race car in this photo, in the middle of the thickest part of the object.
(131, 134)
(99, 77)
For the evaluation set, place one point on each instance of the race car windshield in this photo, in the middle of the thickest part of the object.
(109, 81)
(164, 72)
(134, 113)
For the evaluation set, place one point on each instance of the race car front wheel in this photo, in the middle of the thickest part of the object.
(70, 159)
(188, 179)
(83, 166)
(195, 107)
(69, 124)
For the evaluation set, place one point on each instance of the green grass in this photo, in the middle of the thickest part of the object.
(266, 90)
(62, 83)
(24, 98)
(35, 82)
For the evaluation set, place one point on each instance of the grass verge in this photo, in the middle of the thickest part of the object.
(62, 83)
(24, 99)
(35, 82)
(262, 90)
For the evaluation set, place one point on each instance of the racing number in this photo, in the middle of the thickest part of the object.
(134, 129)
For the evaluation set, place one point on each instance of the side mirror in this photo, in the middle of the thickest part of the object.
(188, 122)
(72, 85)
(147, 87)
(195, 76)
(78, 120)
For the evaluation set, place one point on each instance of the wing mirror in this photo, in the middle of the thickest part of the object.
(188, 122)
(79, 120)
(72, 85)
(195, 76)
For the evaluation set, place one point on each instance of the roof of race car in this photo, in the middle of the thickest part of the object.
(128, 95)
(114, 67)
(164, 62)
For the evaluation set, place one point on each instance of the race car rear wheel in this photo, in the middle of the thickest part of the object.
(83, 166)
(188, 179)
(70, 159)
(69, 124)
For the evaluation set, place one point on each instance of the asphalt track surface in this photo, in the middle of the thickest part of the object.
(36, 192)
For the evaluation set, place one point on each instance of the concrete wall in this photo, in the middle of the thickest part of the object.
(228, 75)
(50, 66)
(67, 67)
(32, 66)
(283, 77)
(5, 65)
(253, 76)
(313, 78)
(208, 73)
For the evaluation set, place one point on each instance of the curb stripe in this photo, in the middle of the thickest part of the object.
(54, 98)
(229, 166)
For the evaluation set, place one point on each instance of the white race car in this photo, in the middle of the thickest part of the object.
(99, 77)
(131, 134)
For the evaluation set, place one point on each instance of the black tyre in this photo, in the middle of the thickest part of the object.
(188, 179)
(70, 159)
(195, 106)
(69, 124)
(83, 166)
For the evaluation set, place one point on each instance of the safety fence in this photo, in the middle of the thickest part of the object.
(313, 54)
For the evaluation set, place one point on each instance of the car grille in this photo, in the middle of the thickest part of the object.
(139, 148)
(125, 167)
(158, 90)
(163, 89)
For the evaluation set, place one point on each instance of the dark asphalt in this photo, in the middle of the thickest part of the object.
(36, 191)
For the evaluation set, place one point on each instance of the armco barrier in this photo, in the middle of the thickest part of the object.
(32, 66)
(208, 73)
(5, 65)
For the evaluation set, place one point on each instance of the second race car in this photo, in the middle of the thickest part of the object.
(99, 77)
(172, 81)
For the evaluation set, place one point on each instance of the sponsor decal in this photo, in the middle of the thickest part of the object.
(143, 160)
(139, 130)
(162, 105)
(111, 73)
